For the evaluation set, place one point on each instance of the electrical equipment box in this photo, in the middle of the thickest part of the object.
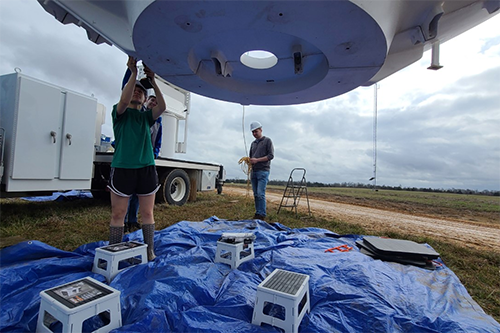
(49, 145)
(208, 179)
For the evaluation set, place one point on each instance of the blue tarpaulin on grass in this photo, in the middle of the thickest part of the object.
(184, 290)
(62, 196)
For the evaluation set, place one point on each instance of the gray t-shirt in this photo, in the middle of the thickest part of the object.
(260, 148)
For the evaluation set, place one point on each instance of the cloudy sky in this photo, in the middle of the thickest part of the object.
(437, 129)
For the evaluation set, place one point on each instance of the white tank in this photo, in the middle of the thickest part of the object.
(169, 135)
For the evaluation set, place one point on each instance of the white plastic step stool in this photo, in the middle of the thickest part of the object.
(73, 303)
(107, 259)
(234, 249)
(284, 289)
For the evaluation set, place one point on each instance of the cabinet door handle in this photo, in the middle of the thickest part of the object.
(53, 135)
(68, 136)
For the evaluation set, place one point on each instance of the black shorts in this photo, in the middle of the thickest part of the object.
(125, 182)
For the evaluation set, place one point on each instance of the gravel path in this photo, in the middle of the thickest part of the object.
(480, 237)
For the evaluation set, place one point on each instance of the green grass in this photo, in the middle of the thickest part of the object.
(67, 225)
(482, 203)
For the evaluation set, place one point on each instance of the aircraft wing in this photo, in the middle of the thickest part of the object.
(274, 52)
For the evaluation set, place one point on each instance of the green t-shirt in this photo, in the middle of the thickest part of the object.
(133, 148)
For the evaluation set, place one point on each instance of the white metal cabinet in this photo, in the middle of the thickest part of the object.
(78, 137)
(49, 135)
(39, 113)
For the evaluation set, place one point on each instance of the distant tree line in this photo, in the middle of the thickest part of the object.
(379, 187)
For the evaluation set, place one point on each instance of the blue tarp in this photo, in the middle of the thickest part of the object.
(183, 290)
(62, 196)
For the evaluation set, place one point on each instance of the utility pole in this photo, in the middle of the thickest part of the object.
(374, 178)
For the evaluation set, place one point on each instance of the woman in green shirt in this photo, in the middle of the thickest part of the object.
(133, 168)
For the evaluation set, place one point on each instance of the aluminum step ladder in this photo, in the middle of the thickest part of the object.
(294, 191)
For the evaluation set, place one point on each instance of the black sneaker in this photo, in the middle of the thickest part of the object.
(134, 226)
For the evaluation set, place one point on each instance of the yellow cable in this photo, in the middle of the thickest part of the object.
(246, 170)
(245, 160)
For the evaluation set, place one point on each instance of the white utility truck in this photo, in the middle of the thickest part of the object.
(51, 141)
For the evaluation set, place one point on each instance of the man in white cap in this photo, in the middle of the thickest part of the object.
(261, 154)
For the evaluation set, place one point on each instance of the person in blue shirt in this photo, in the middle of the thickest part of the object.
(156, 129)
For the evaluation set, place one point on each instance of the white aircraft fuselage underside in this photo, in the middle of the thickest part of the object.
(321, 49)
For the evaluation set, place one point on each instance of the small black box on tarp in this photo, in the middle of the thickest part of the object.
(398, 250)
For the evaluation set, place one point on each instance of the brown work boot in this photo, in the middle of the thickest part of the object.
(148, 231)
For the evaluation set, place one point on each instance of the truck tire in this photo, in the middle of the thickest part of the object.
(175, 187)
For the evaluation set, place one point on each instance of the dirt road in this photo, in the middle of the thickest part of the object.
(373, 219)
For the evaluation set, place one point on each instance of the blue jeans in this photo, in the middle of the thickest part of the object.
(259, 182)
(133, 208)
